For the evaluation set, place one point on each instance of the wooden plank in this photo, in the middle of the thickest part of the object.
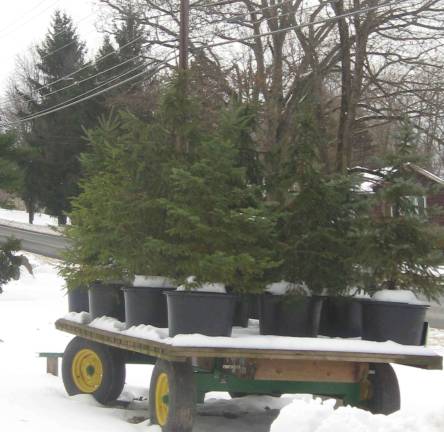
(52, 365)
(168, 352)
(309, 370)
(129, 343)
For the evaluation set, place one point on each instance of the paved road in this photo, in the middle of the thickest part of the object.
(39, 242)
(435, 315)
(52, 244)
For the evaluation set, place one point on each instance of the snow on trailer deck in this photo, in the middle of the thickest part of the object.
(244, 343)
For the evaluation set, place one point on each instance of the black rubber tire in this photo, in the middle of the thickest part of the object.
(182, 395)
(113, 364)
(384, 390)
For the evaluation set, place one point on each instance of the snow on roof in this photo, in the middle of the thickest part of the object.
(371, 178)
(369, 181)
(425, 173)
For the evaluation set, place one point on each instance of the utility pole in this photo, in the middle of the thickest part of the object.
(181, 141)
(184, 34)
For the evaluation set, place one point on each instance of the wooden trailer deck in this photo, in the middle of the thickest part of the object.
(392, 353)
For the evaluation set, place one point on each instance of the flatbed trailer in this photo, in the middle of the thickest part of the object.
(94, 362)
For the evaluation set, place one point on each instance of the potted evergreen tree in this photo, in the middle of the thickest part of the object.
(401, 249)
(169, 198)
(318, 218)
(116, 212)
(217, 231)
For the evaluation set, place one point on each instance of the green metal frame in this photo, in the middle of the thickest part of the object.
(221, 380)
(218, 380)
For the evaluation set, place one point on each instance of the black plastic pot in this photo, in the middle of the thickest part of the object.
(146, 305)
(106, 300)
(78, 299)
(290, 316)
(207, 313)
(399, 322)
(254, 305)
(242, 311)
(341, 317)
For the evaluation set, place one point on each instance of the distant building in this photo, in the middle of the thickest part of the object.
(434, 198)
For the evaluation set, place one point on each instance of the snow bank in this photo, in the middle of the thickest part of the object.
(31, 400)
(320, 416)
(22, 217)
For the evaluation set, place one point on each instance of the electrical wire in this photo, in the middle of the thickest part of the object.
(310, 24)
(65, 104)
(92, 76)
(120, 83)
(60, 104)
(90, 63)
(29, 20)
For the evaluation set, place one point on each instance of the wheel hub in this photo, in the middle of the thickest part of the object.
(162, 399)
(87, 371)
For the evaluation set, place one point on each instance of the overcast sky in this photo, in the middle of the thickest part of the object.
(24, 23)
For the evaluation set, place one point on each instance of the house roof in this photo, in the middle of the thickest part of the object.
(425, 173)
(372, 178)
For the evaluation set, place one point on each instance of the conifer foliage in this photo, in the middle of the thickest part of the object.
(10, 262)
(401, 247)
(54, 142)
(151, 206)
(319, 216)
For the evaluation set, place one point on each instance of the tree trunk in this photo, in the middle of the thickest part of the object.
(61, 219)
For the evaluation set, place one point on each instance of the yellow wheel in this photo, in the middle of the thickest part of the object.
(97, 369)
(162, 394)
(173, 396)
(87, 371)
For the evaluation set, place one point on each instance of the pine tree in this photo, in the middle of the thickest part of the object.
(319, 214)
(55, 141)
(217, 228)
(10, 262)
(10, 175)
(150, 206)
(130, 39)
(107, 58)
(10, 179)
(401, 248)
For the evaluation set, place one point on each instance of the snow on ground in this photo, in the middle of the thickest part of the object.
(22, 217)
(31, 400)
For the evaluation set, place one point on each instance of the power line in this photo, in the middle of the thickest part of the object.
(96, 61)
(62, 47)
(87, 65)
(66, 102)
(83, 99)
(30, 19)
(70, 43)
(235, 19)
(312, 23)
(65, 105)
(92, 76)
